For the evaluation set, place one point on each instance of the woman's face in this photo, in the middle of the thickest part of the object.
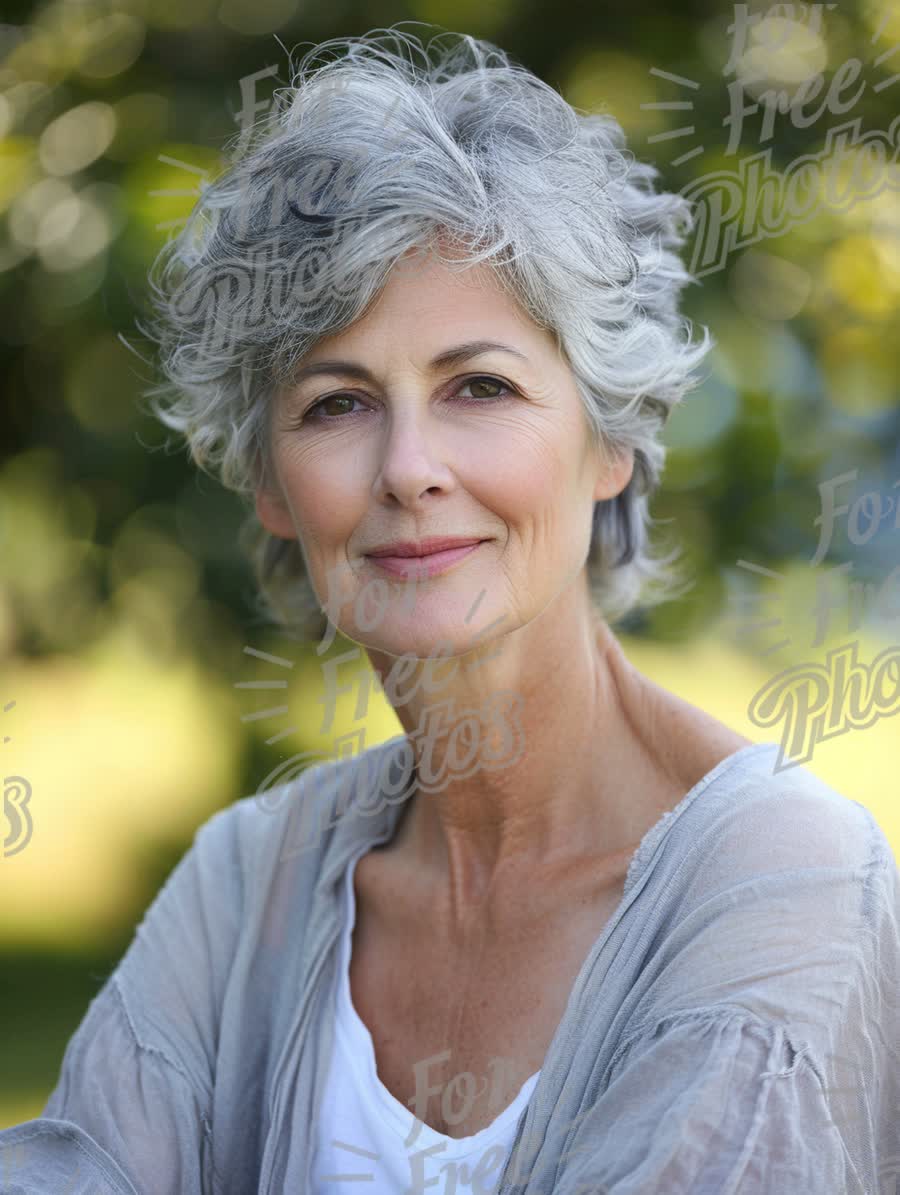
(392, 444)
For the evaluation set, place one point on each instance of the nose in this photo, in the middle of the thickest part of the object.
(412, 458)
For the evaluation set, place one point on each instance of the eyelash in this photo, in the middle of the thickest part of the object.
(309, 417)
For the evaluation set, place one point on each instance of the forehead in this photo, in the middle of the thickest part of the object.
(423, 297)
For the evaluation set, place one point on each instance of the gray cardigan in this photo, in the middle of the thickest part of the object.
(734, 1030)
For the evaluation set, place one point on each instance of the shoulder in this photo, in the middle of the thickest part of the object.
(769, 847)
(778, 815)
(775, 896)
(756, 846)
(250, 872)
(751, 819)
(318, 802)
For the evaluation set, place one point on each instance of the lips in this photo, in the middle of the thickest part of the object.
(408, 549)
(419, 564)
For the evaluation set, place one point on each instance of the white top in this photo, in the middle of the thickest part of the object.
(365, 1135)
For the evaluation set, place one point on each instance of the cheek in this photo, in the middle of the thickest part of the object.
(539, 487)
(328, 495)
(525, 480)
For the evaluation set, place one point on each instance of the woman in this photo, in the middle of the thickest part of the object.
(567, 932)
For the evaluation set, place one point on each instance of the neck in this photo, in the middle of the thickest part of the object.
(561, 762)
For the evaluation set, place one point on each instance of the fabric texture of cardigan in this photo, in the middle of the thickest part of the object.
(734, 1030)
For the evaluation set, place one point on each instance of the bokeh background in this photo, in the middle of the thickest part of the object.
(129, 641)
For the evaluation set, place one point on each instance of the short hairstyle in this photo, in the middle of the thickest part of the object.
(369, 154)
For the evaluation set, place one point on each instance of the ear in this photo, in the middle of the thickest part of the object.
(274, 515)
(615, 475)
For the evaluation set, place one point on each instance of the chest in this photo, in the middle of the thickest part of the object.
(459, 1025)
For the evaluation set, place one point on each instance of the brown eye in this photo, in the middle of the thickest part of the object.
(318, 409)
(335, 407)
(338, 399)
(489, 382)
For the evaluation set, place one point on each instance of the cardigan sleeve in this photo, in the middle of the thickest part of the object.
(52, 1157)
(715, 1104)
(763, 1053)
(130, 1112)
(122, 1120)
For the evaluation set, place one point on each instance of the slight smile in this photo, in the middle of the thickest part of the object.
(404, 560)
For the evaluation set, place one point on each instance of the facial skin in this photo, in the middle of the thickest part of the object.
(424, 452)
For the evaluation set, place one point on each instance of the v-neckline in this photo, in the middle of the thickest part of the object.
(560, 1041)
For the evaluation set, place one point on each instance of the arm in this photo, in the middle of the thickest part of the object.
(710, 1104)
(130, 1111)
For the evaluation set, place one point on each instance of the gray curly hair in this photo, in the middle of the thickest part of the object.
(370, 154)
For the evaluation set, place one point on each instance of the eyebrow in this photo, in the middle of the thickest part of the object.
(445, 360)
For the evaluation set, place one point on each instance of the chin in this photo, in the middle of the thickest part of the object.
(435, 634)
